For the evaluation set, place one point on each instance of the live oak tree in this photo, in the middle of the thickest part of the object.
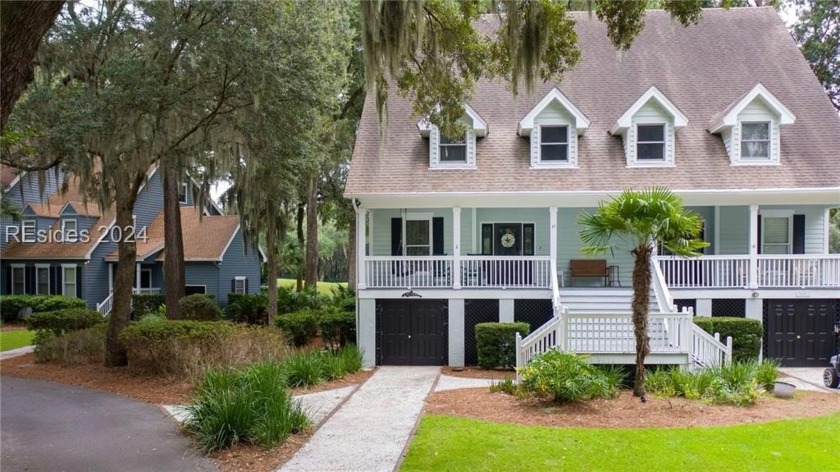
(641, 219)
(817, 30)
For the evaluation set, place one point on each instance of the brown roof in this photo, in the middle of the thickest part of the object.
(205, 238)
(702, 69)
(7, 176)
(51, 249)
(70, 193)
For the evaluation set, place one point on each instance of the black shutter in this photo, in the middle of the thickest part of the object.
(396, 236)
(758, 250)
(53, 280)
(437, 236)
(8, 287)
(79, 281)
(233, 285)
(246, 286)
(799, 234)
(30, 280)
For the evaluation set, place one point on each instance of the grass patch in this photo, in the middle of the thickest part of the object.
(451, 443)
(324, 288)
(14, 339)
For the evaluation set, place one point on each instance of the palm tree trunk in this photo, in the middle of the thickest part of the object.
(641, 305)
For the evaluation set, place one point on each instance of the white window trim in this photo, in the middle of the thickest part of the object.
(427, 217)
(766, 159)
(236, 280)
(464, 145)
(632, 149)
(664, 142)
(75, 268)
(184, 189)
(23, 268)
(64, 236)
(571, 147)
(777, 214)
(434, 151)
(38, 281)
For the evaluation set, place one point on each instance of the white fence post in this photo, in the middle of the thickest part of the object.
(519, 355)
(729, 349)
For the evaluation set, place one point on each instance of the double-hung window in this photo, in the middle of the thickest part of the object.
(69, 233)
(554, 144)
(453, 150)
(239, 284)
(68, 281)
(755, 140)
(776, 235)
(182, 194)
(42, 279)
(18, 279)
(418, 237)
(650, 142)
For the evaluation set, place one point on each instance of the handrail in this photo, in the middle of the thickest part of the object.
(707, 350)
(548, 336)
(663, 296)
(105, 307)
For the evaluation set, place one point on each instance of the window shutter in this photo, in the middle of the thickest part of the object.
(799, 234)
(396, 236)
(79, 281)
(437, 236)
(30, 280)
(759, 235)
(233, 285)
(54, 287)
(434, 147)
(8, 284)
(246, 286)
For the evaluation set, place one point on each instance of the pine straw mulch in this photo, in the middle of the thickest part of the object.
(625, 411)
(150, 389)
(472, 372)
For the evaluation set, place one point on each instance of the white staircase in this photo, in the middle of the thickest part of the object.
(600, 300)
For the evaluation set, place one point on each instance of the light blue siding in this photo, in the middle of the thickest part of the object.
(207, 274)
(735, 231)
(238, 263)
(96, 273)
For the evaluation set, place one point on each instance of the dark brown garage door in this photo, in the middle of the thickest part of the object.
(800, 332)
(412, 332)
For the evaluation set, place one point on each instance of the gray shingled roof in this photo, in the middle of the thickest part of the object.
(703, 69)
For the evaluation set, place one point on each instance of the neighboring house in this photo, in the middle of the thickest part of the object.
(726, 113)
(65, 247)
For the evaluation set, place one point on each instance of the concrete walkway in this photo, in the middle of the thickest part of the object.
(371, 429)
(806, 378)
(16, 352)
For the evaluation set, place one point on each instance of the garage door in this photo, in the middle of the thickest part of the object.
(800, 332)
(412, 332)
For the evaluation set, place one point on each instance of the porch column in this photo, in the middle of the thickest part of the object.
(456, 247)
(753, 222)
(361, 216)
(456, 332)
(552, 239)
(366, 332)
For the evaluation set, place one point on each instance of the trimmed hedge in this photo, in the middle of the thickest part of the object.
(300, 326)
(11, 305)
(496, 343)
(199, 307)
(61, 321)
(337, 328)
(146, 304)
(746, 334)
(153, 328)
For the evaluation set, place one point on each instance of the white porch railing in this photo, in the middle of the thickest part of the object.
(733, 271)
(105, 307)
(532, 272)
(146, 291)
(707, 350)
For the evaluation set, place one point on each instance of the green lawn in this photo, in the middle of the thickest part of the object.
(451, 443)
(323, 287)
(15, 339)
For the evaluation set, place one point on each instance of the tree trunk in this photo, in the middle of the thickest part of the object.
(351, 253)
(23, 25)
(271, 270)
(173, 265)
(125, 196)
(301, 244)
(641, 306)
(311, 273)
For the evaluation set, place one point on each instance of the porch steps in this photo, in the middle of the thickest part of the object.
(594, 300)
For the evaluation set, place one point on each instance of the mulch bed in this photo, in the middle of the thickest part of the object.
(472, 372)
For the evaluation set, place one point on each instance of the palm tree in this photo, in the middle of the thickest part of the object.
(642, 218)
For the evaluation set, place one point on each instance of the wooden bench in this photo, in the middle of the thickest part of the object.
(588, 268)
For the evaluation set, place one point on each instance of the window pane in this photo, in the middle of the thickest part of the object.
(755, 149)
(445, 140)
(43, 275)
(453, 153)
(19, 285)
(417, 251)
(555, 134)
(776, 230)
(755, 131)
(776, 249)
(651, 133)
(417, 232)
(554, 152)
(69, 280)
(650, 151)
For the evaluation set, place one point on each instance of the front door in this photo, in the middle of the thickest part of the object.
(412, 332)
(800, 333)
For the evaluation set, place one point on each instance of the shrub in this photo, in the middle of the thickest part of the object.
(85, 346)
(199, 307)
(733, 384)
(248, 308)
(300, 326)
(496, 343)
(505, 386)
(337, 327)
(746, 334)
(304, 369)
(567, 377)
(61, 321)
(291, 301)
(351, 358)
(248, 406)
(767, 374)
(145, 304)
(11, 305)
(343, 298)
(190, 348)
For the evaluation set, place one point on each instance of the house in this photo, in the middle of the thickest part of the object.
(726, 113)
(66, 247)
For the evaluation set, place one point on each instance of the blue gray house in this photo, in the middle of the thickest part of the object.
(63, 246)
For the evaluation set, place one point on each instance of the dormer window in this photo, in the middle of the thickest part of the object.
(69, 232)
(454, 150)
(554, 144)
(755, 140)
(648, 130)
(749, 128)
(458, 153)
(650, 142)
(553, 127)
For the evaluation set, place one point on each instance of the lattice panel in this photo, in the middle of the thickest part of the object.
(477, 311)
(534, 312)
(729, 307)
(687, 303)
